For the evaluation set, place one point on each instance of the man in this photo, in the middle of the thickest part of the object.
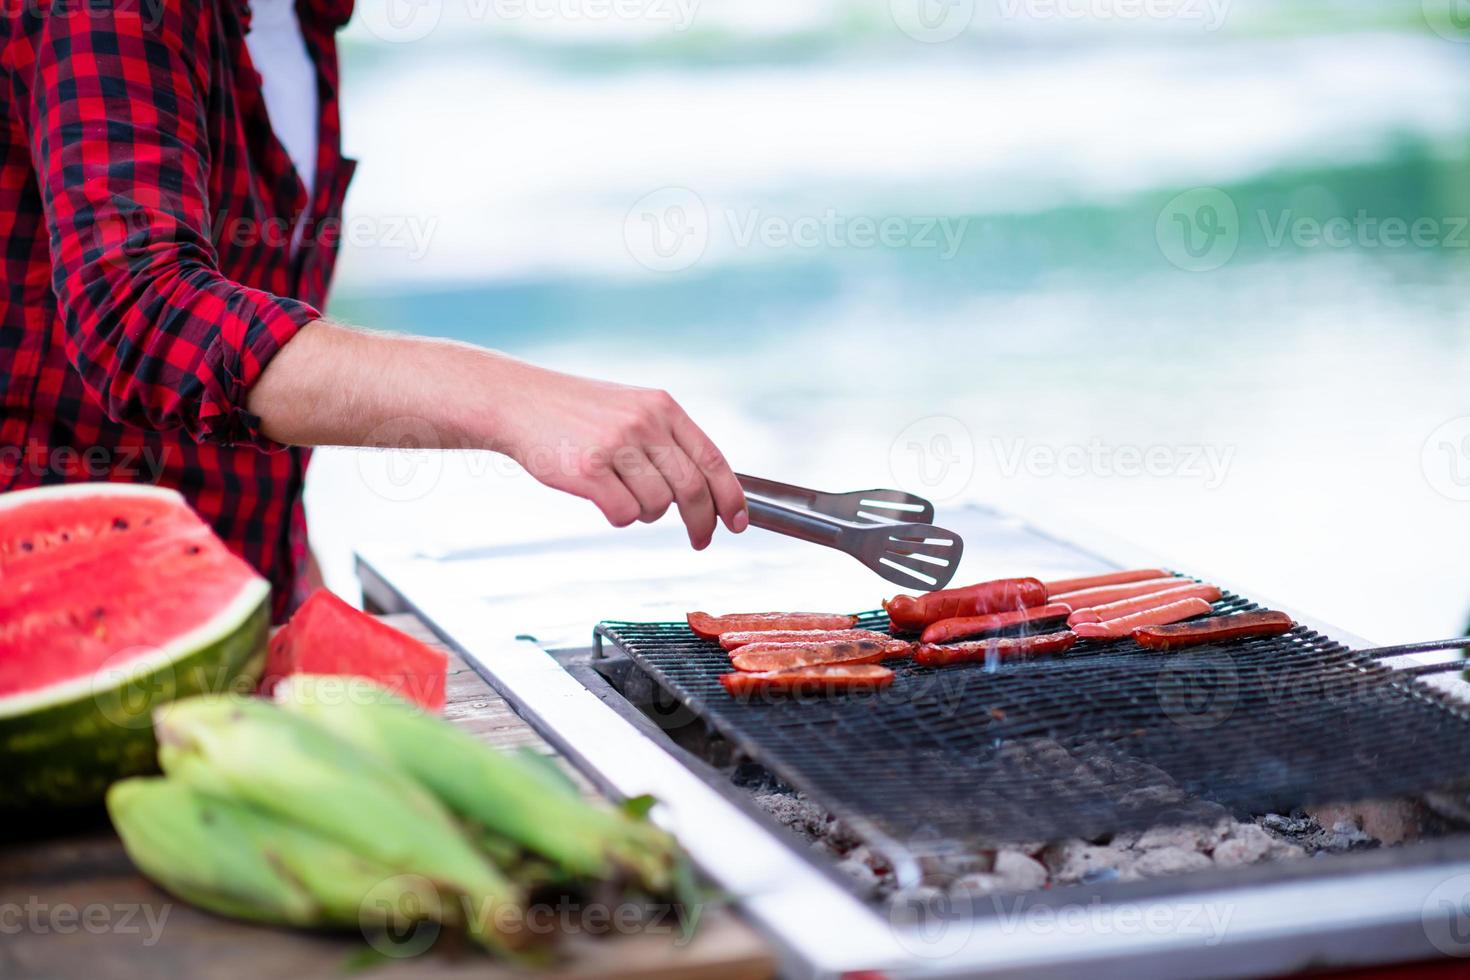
(170, 196)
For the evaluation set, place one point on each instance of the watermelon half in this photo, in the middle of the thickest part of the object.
(113, 598)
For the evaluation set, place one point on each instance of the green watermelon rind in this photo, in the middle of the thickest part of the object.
(64, 744)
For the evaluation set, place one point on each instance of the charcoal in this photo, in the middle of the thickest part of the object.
(1019, 872)
(1346, 836)
(1388, 821)
(863, 877)
(1246, 844)
(1101, 875)
(1072, 860)
(1295, 825)
(1168, 861)
(1188, 837)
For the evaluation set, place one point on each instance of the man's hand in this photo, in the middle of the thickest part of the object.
(631, 451)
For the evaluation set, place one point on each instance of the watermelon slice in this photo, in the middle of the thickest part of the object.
(327, 636)
(113, 598)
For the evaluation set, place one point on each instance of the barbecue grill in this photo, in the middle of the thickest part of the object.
(1109, 737)
(1105, 739)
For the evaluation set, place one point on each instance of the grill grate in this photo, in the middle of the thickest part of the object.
(1109, 737)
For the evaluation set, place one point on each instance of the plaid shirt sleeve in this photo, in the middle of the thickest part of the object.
(118, 132)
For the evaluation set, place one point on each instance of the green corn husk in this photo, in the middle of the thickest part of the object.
(236, 860)
(179, 841)
(504, 793)
(284, 764)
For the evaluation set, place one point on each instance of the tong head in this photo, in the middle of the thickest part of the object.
(914, 556)
(857, 506)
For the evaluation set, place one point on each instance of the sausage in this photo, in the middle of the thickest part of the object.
(963, 627)
(785, 656)
(912, 613)
(809, 680)
(1087, 598)
(1063, 585)
(1116, 629)
(710, 627)
(1125, 607)
(1236, 626)
(732, 640)
(1006, 648)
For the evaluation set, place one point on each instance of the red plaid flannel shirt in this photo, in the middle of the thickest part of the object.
(146, 210)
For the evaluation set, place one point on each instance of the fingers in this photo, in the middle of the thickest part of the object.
(613, 498)
(691, 491)
(646, 483)
(662, 458)
(729, 498)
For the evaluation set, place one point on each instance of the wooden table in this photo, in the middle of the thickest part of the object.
(74, 906)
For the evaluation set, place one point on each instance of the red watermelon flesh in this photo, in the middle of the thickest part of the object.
(328, 636)
(95, 579)
(114, 598)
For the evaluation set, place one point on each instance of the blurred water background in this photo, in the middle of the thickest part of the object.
(1192, 272)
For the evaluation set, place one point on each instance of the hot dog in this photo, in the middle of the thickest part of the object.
(1116, 629)
(1125, 607)
(731, 641)
(1213, 630)
(710, 627)
(1085, 598)
(786, 656)
(1063, 585)
(912, 613)
(963, 627)
(1006, 648)
(810, 680)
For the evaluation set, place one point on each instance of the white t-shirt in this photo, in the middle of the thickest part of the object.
(288, 83)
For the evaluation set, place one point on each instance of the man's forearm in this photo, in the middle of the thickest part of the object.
(631, 451)
(337, 386)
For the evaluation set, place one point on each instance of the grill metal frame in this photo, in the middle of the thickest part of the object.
(1109, 737)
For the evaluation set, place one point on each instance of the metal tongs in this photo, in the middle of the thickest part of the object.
(887, 530)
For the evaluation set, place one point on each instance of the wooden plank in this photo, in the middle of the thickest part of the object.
(74, 906)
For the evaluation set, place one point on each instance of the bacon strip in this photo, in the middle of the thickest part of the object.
(759, 657)
(1237, 626)
(710, 627)
(1006, 648)
(809, 680)
(731, 641)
